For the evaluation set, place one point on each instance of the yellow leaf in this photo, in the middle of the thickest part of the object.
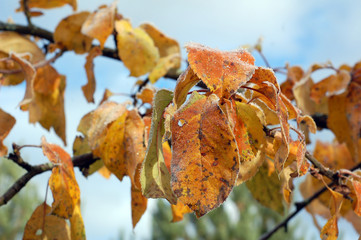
(68, 34)
(89, 88)
(179, 210)
(77, 224)
(42, 225)
(205, 161)
(136, 48)
(100, 24)
(184, 83)
(12, 42)
(6, 124)
(163, 66)
(62, 181)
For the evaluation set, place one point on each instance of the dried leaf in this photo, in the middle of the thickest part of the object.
(6, 124)
(62, 181)
(222, 72)
(136, 48)
(47, 103)
(107, 94)
(68, 34)
(89, 88)
(147, 94)
(155, 178)
(100, 24)
(42, 225)
(357, 188)
(311, 125)
(139, 202)
(12, 42)
(205, 161)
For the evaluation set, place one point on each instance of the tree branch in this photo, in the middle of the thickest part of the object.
(81, 161)
(300, 206)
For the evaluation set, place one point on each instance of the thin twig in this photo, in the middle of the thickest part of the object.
(37, 65)
(81, 161)
(27, 12)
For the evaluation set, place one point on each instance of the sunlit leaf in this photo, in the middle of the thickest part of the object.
(205, 161)
(62, 181)
(155, 178)
(357, 205)
(222, 72)
(184, 83)
(163, 66)
(12, 42)
(146, 94)
(136, 48)
(139, 202)
(6, 124)
(42, 225)
(179, 210)
(68, 34)
(89, 88)
(77, 225)
(100, 24)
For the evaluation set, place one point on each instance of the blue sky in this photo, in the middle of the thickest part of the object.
(297, 32)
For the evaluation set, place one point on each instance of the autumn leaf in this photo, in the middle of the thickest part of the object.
(62, 181)
(42, 225)
(146, 94)
(12, 42)
(267, 189)
(330, 230)
(139, 202)
(169, 52)
(155, 178)
(6, 124)
(222, 72)
(179, 210)
(294, 74)
(89, 88)
(100, 24)
(68, 33)
(47, 103)
(205, 161)
(357, 204)
(46, 4)
(185, 82)
(136, 48)
(106, 95)
(77, 225)
(30, 74)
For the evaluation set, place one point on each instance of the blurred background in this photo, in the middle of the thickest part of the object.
(295, 32)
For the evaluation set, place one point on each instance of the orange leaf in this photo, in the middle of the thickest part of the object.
(62, 181)
(100, 24)
(89, 88)
(12, 42)
(46, 4)
(357, 205)
(179, 210)
(185, 82)
(107, 94)
(222, 72)
(205, 160)
(137, 49)
(6, 124)
(139, 202)
(68, 34)
(42, 225)
(147, 94)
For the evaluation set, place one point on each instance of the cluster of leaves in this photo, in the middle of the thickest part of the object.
(220, 136)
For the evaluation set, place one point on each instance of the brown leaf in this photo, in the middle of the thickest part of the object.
(136, 48)
(47, 103)
(12, 42)
(139, 202)
(107, 94)
(205, 160)
(357, 188)
(68, 34)
(62, 181)
(89, 88)
(222, 72)
(42, 225)
(6, 124)
(100, 24)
